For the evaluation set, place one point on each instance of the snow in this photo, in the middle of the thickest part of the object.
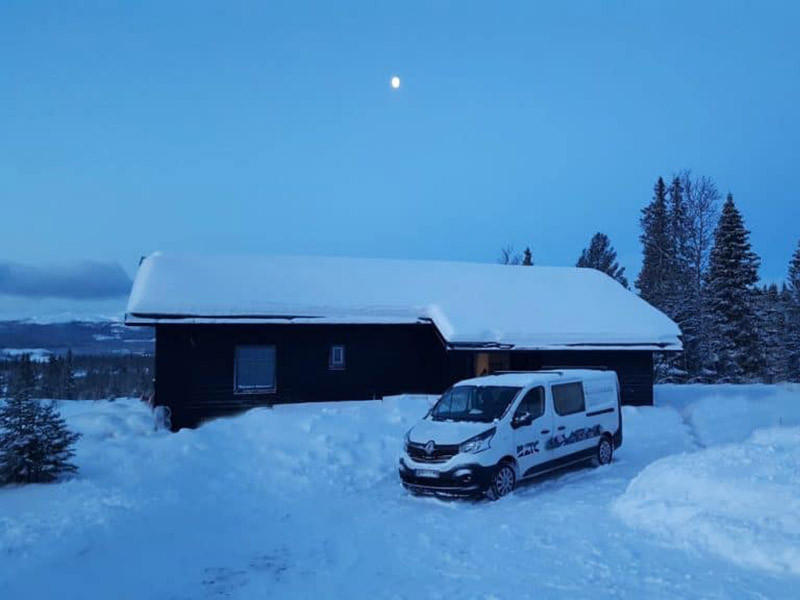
(739, 495)
(304, 501)
(470, 303)
(740, 501)
(36, 354)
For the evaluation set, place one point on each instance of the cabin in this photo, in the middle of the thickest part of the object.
(234, 332)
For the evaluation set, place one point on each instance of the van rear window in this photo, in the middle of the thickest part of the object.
(568, 398)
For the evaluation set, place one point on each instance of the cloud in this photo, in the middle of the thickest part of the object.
(76, 281)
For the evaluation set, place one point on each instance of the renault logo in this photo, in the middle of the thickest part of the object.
(429, 448)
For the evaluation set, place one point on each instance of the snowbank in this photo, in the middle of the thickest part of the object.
(730, 413)
(303, 501)
(739, 495)
(739, 501)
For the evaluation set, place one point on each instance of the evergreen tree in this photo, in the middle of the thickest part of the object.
(733, 271)
(527, 257)
(793, 316)
(652, 281)
(772, 307)
(35, 443)
(678, 260)
(601, 255)
(67, 387)
(51, 384)
(678, 298)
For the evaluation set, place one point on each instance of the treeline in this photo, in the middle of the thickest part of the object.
(701, 270)
(80, 377)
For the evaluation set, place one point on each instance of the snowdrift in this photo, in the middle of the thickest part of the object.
(303, 501)
(739, 501)
(739, 496)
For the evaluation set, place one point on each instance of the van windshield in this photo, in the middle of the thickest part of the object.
(482, 404)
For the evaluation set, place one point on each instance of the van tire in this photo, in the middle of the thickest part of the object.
(503, 481)
(605, 452)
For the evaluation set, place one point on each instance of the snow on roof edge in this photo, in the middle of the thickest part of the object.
(523, 307)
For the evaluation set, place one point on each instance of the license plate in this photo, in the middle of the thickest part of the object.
(426, 473)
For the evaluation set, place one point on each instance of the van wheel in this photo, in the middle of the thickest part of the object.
(605, 452)
(503, 482)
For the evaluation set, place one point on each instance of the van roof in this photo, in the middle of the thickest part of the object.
(527, 378)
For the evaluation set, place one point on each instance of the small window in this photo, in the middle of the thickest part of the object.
(337, 360)
(532, 404)
(254, 369)
(568, 398)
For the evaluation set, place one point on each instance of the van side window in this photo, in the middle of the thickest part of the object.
(568, 398)
(532, 403)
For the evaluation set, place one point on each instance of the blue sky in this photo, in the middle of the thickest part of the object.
(271, 127)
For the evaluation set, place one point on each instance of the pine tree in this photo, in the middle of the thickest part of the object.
(793, 316)
(733, 271)
(772, 309)
(68, 388)
(678, 299)
(601, 255)
(35, 443)
(652, 279)
(51, 384)
(527, 257)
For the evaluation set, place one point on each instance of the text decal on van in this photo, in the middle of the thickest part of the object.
(528, 449)
(578, 435)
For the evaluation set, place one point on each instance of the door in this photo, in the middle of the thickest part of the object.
(573, 435)
(532, 424)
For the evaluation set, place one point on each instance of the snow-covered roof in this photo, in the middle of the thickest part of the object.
(470, 303)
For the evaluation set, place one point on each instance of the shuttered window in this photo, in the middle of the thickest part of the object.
(255, 369)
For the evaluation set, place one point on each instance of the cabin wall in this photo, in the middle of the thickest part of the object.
(633, 367)
(195, 365)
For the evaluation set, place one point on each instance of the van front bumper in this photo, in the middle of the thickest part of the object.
(463, 480)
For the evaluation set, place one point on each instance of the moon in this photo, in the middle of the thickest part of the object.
(395, 82)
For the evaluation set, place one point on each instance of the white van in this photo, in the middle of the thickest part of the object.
(486, 434)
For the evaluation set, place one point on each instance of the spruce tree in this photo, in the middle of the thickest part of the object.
(793, 316)
(527, 257)
(652, 281)
(601, 255)
(68, 388)
(35, 443)
(772, 309)
(678, 300)
(733, 271)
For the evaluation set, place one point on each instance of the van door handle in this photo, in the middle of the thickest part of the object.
(545, 431)
(562, 427)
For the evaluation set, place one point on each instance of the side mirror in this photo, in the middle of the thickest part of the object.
(522, 420)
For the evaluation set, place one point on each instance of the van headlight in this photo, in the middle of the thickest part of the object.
(479, 443)
(406, 440)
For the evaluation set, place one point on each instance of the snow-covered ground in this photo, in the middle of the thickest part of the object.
(702, 500)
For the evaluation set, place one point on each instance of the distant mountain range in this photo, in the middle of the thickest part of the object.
(82, 337)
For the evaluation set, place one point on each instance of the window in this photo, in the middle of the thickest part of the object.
(568, 398)
(336, 361)
(532, 404)
(254, 369)
(482, 404)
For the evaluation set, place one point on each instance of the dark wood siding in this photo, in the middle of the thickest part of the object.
(634, 368)
(195, 365)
